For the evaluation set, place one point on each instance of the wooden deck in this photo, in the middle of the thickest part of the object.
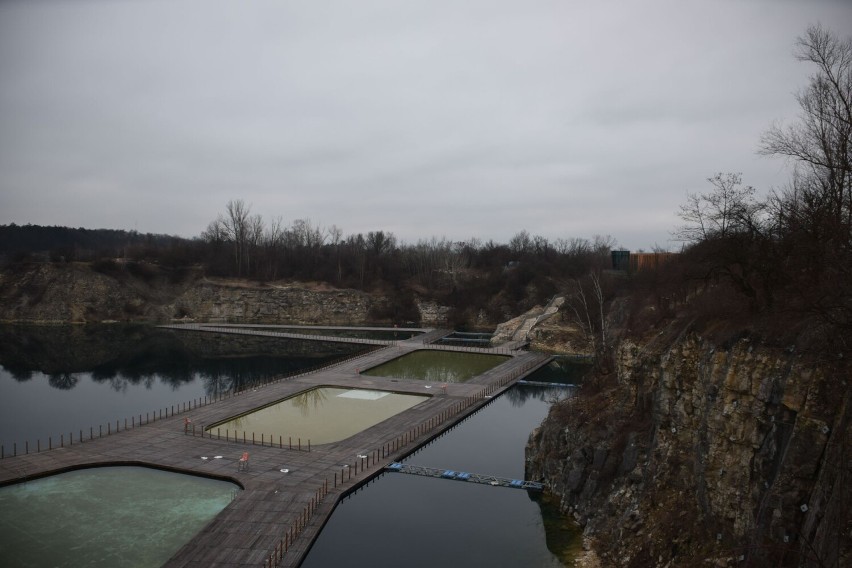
(278, 515)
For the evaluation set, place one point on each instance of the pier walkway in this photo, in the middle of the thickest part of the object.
(289, 491)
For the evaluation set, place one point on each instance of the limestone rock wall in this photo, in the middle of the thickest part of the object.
(47, 293)
(74, 293)
(432, 313)
(706, 455)
(209, 301)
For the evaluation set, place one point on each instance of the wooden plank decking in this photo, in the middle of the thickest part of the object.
(276, 510)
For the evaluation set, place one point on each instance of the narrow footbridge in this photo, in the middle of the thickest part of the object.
(465, 476)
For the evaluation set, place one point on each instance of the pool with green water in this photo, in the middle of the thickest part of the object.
(112, 517)
(322, 415)
(437, 366)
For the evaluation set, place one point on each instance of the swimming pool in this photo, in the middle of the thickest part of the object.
(321, 415)
(106, 516)
(437, 366)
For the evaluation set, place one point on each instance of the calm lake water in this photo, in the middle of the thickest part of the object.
(412, 521)
(61, 379)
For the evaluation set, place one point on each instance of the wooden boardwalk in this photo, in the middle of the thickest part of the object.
(275, 519)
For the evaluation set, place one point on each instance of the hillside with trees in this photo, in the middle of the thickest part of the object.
(477, 281)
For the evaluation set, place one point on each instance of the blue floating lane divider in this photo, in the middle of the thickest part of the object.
(464, 476)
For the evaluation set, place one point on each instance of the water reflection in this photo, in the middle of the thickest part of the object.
(426, 522)
(561, 533)
(521, 394)
(123, 356)
(564, 370)
(61, 379)
(309, 400)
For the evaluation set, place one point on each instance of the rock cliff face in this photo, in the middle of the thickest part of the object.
(75, 293)
(272, 304)
(699, 454)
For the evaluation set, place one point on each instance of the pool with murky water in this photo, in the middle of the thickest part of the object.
(437, 366)
(321, 415)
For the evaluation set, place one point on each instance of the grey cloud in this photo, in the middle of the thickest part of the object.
(424, 118)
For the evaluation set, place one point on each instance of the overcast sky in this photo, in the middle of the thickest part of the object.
(454, 119)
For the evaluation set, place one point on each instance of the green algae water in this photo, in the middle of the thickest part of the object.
(321, 415)
(437, 366)
(106, 517)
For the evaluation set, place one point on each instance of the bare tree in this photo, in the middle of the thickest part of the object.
(307, 235)
(427, 259)
(272, 239)
(357, 246)
(587, 304)
(335, 235)
(728, 208)
(814, 212)
(456, 260)
(215, 232)
(575, 246)
(521, 243)
(253, 239)
(380, 242)
(820, 142)
(235, 227)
